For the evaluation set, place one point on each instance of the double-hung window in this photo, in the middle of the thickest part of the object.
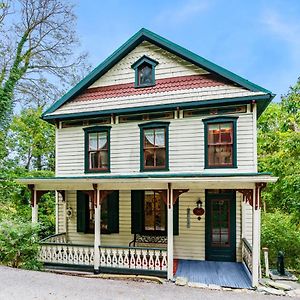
(220, 142)
(154, 146)
(97, 149)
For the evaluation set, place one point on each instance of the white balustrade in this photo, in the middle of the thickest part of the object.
(133, 258)
(66, 254)
(111, 257)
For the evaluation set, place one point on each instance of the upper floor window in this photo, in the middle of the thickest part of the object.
(97, 149)
(144, 72)
(154, 146)
(220, 142)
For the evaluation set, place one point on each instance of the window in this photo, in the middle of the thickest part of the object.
(154, 212)
(220, 142)
(154, 146)
(97, 149)
(144, 72)
(149, 213)
(86, 213)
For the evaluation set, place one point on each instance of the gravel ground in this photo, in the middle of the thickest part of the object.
(21, 284)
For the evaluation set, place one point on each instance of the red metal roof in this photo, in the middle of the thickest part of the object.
(162, 85)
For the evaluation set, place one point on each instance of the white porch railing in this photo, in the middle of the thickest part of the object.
(56, 238)
(247, 254)
(137, 258)
(69, 254)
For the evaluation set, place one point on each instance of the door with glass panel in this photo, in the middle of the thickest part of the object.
(220, 225)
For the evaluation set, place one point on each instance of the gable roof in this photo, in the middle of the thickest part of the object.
(146, 35)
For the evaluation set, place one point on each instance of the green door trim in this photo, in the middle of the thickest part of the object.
(220, 253)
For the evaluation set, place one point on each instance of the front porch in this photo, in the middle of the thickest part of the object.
(113, 252)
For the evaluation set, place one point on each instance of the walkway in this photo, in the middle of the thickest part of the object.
(226, 274)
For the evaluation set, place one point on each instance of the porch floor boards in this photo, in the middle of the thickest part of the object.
(226, 274)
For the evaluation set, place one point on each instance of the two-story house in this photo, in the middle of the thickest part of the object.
(156, 165)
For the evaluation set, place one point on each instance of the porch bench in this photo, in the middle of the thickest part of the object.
(152, 241)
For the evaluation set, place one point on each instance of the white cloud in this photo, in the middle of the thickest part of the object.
(182, 13)
(286, 29)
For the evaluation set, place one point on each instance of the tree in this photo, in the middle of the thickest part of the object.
(37, 60)
(279, 152)
(32, 141)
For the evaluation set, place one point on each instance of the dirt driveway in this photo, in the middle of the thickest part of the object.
(23, 285)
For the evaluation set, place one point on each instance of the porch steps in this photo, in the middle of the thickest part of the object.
(225, 274)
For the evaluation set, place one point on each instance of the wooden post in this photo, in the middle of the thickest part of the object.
(34, 209)
(170, 231)
(56, 212)
(266, 257)
(97, 233)
(255, 238)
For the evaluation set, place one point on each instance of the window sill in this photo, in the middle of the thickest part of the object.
(155, 170)
(96, 171)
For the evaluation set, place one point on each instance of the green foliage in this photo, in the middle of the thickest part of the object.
(279, 152)
(19, 244)
(32, 141)
(280, 233)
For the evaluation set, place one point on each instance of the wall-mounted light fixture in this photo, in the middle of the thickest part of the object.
(198, 210)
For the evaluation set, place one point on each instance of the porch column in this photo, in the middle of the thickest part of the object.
(34, 207)
(97, 231)
(56, 212)
(255, 237)
(170, 231)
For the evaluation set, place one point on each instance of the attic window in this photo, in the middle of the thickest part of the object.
(144, 71)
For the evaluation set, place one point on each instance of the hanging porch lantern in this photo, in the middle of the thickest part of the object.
(199, 210)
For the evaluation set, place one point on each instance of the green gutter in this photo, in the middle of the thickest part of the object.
(261, 100)
(158, 175)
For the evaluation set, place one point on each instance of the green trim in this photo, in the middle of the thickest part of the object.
(262, 102)
(220, 253)
(74, 267)
(153, 175)
(87, 131)
(144, 59)
(215, 120)
(135, 40)
(153, 125)
(112, 270)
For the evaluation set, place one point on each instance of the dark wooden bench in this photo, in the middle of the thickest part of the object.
(151, 241)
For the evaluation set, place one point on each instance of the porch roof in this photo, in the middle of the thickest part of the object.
(147, 181)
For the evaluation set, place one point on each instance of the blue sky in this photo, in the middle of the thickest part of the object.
(259, 40)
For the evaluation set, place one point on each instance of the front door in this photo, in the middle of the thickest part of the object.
(220, 222)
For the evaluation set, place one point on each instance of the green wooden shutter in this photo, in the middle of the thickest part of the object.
(82, 212)
(137, 208)
(176, 218)
(113, 212)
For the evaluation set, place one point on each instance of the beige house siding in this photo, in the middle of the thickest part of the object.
(169, 65)
(189, 244)
(186, 148)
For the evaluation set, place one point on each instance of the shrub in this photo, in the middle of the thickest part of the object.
(19, 244)
(281, 233)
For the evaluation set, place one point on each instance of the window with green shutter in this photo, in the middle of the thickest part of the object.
(149, 214)
(109, 213)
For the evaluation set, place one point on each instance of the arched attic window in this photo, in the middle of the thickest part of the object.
(144, 71)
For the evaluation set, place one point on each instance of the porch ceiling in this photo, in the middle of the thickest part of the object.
(136, 182)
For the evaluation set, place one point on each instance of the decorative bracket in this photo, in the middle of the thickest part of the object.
(39, 194)
(63, 194)
(258, 187)
(247, 195)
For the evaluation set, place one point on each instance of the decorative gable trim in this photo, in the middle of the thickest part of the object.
(135, 40)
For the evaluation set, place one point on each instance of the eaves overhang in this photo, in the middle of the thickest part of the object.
(261, 100)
